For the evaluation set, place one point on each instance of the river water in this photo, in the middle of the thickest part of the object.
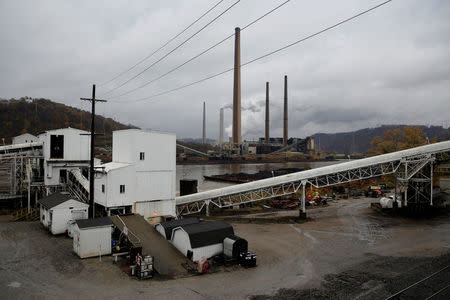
(198, 171)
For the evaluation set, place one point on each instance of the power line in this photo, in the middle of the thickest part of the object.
(263, 56)
(177, 47)
(165, 44)
(201, 53)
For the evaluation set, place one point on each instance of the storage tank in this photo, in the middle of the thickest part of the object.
(386, 202)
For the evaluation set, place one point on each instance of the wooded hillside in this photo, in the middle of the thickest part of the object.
(18, 116)
(359, 141)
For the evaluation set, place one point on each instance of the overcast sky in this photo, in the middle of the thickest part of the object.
(387, 67)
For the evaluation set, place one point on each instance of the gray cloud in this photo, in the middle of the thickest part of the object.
(390, 66)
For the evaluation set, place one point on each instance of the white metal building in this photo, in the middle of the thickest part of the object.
(64, 149)
(204, 239)
(141, 176)
(92, 237)
(58, 210)
(25, 138)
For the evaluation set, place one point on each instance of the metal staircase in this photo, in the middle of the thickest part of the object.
(78, 185)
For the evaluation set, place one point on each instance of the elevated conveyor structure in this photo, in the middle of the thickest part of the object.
(406, 164)
(192, 150)
(20, 148)
(78, 185)
(168, 261)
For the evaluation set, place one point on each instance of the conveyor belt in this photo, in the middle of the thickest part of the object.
(168, 260)
(319, 177)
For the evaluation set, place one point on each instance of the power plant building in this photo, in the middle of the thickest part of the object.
(277, 144)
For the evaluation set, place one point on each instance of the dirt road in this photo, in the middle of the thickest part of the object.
(346, 237)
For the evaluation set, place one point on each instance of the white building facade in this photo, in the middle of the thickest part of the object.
(64, 150)
(25, 138)
(141, 176)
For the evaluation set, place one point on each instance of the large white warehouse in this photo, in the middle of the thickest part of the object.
(141, 176)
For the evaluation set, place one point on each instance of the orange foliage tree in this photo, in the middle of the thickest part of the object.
(396, 139)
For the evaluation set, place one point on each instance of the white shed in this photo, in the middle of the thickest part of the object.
(25, 138)
(58, 210)
(204, 239)
(165, 228)
(92, 237)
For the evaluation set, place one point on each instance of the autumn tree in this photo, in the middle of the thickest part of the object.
(396, 139)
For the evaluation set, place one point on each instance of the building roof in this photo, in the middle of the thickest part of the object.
(97, 222)
(170, 225)
(55, 199)
(143, 131)
(111, 166)
(207, 233)
(25, 134)
(58, 129)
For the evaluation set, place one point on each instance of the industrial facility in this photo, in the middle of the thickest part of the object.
(139, 183)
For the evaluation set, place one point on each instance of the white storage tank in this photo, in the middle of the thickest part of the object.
(92, 237)
(388, 202)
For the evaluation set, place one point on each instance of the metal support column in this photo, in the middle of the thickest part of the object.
(431, 183)
(29, 185)
(207, 207)
(303, 196)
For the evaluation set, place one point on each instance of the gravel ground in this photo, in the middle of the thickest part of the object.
(378, 278)
(345, 251)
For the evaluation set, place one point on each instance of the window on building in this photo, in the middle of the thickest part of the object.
(57, 146)
(122, 188)
(142, 156)
(62, 176)
(103, 188)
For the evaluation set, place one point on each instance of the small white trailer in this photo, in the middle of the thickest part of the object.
(92, 237)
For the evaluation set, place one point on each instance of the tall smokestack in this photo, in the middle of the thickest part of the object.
(204, 124)
(221, 128)
(267, 113)
(285, 116)
(237, 138)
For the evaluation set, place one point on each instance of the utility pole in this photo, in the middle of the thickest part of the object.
(91, 171)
